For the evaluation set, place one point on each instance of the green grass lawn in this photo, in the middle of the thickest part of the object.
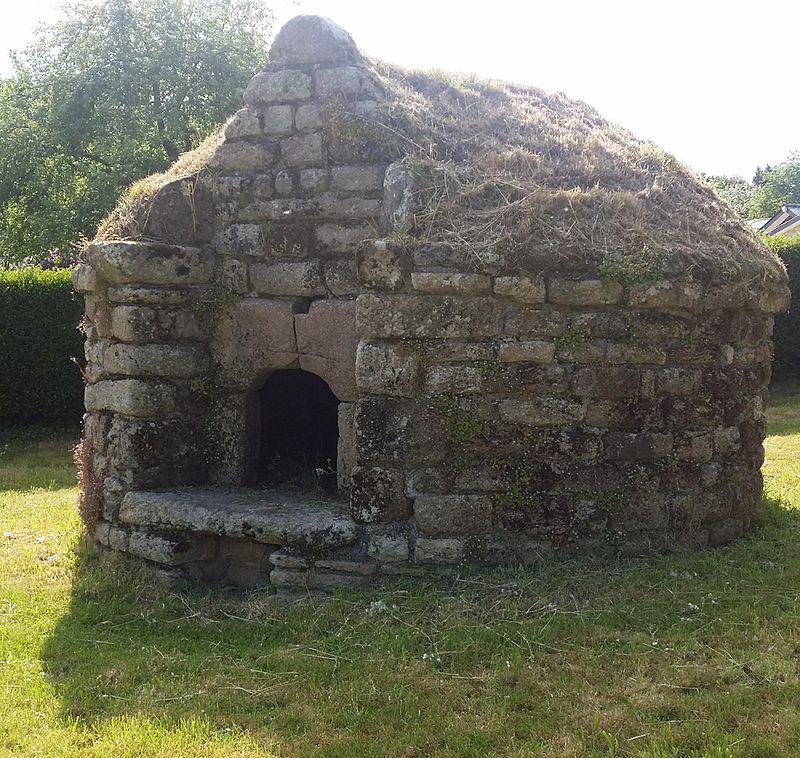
(688, 655)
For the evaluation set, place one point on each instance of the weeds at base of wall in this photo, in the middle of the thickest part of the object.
(90, 486)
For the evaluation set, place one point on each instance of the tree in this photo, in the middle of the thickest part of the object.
(780, 185)
(736, 191)
(111, 92)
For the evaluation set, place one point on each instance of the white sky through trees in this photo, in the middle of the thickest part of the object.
(709, 81)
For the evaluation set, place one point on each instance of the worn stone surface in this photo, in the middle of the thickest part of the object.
(584, 292)
(303, 278)
(378, 495)
(387, 368)
(526, 351)
(381, 265)
(399, 186)
(141, 263)
(312, 39)
(263, 516)
(452, 515)
(167, 359)
(521, 288)
(171, 550)
(271, 87)
(450, 284)
(131, 397)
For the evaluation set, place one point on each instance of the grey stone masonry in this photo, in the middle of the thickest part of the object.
(493, 402)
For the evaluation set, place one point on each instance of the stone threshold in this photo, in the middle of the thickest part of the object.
(288, 519)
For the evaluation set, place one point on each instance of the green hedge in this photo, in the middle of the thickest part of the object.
(39, 338)
(787, 325)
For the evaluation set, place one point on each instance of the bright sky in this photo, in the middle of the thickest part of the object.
(709, 81)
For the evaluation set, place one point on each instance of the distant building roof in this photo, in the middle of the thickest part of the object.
(784, 223)
(758, 223)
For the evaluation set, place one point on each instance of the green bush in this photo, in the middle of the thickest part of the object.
(39, 343)
(787, 325)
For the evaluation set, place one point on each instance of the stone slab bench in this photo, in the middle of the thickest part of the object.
(266, 516)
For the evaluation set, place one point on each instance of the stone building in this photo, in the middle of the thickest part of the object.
(388, 322)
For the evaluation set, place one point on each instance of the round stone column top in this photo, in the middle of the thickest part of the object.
(312, 39)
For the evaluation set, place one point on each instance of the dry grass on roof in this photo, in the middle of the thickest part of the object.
(128, 220)
(529, 175)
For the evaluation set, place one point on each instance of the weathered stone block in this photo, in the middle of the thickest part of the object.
(584, 351)
(315, 179)
(454, 352)
(161, 297)
(271, 87)
(303, 150)
(253, 338)
(399, 186)
(245, 123)
(428, 479)
(527, 351)
(726, 440)
(134, 323)
(453, 515)
(621, 353)
(285, 183)
(84, 278)
(171, 551)
(450, 284)
(312, 39)
(183, 361)
(340, 238)
(309, 118)
(341, 277)
(522, 321)
(387, 368)
(584, 292)
(667, 294)
(521, 288)
(606, 382)
(697, 446)
(675, 380)
(456, 380)
(181, 325)
(278, 120)
(441, 551)
(326, 344)
(141, 263)
(388, 548)
(233, 276)
(541, 411)
(381, 265)
(131, 397)
(433, 317)
(606, 324)
(233, 437)
(357, 178)
(634, 447)
(302, 279)
(351, 207)
(242, 156)
(378, 495)
(345, 83)
(346, 448)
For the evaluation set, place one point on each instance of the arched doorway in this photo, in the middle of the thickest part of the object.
(299, 431)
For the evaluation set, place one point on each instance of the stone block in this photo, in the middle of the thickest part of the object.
(605, 324)
(584, 292)
(285, 183)
(606, 382)
(326, 344)
(387, 368)
(697, 446)
(309, 39)
(309, 118)
(302, 279)
(171, 550)
(278, 120)
(245, 123)
(240, 239)
(303, 150)
(637, 446)
(351, 207)
(233, 276)
(427, 479)
(622, 353)
(583, 351)
(378, 495)
(242, 156)
(180, 361)
(341, 277)
(345, 83)
(523, 289)
(315, 180)
(381, 265)
(541, 411)
(453, 515)
(134, 323)
(346, 447)
(84, 278)
(432, 317)
(125, 262)
(364, 568)
(181, 325)
(726, 440)
(271, 87)
(399, 186)
(161, 297)
(450, 284)
(455, 352)
(340, 238)
(388, 548)
(131, 397)
(288, 560)
(675, 380)
(524, 321)
(438, 551)
(233, 437)
(253, 338)
(456, 380)
(364, 179)
(668, 294)
(526, 351)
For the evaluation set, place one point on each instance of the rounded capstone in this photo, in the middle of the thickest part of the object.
(312, 39)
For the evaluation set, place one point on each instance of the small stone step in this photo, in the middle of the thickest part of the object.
(266, 516)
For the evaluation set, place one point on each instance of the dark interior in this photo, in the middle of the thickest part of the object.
(299, 431)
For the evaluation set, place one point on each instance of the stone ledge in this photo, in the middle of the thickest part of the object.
(262, 515)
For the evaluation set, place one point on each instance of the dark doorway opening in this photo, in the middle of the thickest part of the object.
(299, 432)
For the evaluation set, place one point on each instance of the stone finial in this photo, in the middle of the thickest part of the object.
(312, 39)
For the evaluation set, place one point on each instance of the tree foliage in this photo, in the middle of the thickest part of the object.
(780, 185)
(112, 91)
